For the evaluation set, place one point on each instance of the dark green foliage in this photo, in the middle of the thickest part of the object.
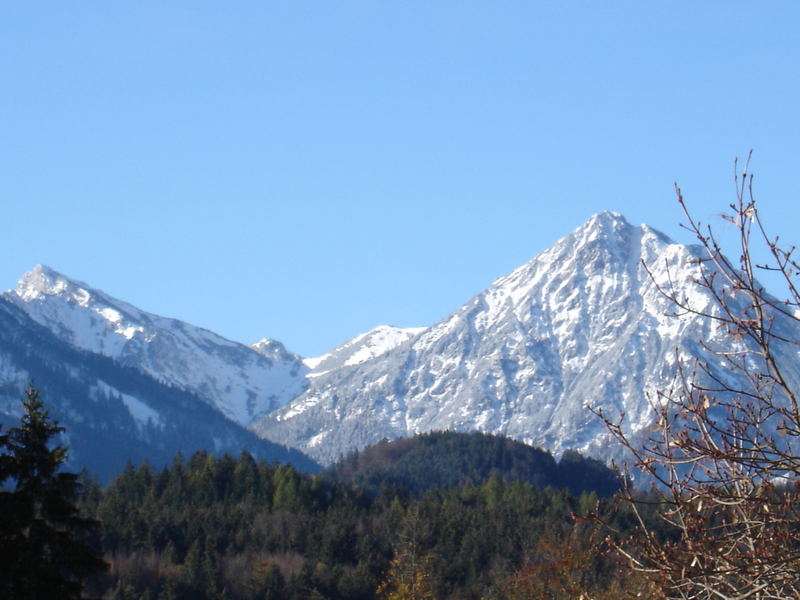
(580, 474)
(211, 527)
(207, 528)
(43, 548)
(446, 459)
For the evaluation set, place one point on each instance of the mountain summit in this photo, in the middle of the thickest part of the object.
(580, 324)
(242, 382)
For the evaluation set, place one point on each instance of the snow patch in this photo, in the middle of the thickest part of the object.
(141, 412)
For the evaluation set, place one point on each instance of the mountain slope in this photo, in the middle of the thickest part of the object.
(242, 382)
(113, 413)
(580, 324)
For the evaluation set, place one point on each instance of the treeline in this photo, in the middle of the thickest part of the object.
(233, 528)
(448, 458)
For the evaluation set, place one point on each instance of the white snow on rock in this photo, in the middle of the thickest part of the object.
(141, 413)
(242, 382)
(364, 347)
(581, 324)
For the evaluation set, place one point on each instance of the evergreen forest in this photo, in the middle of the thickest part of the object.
(231, 527)
(442, 515)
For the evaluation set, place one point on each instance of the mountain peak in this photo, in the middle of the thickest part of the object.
(609, 216)
(274, 350)
(239, 381)
(605, 224)
(45, 281)
(610, 233)
(579, 324)
(612, 221)
(364, 347)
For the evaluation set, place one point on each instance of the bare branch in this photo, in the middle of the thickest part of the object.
(723, 451)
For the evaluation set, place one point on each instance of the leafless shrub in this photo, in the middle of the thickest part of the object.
(724, 445)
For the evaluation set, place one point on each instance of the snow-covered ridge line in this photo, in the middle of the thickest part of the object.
(242, 382)
(362, 348)
(581, 323)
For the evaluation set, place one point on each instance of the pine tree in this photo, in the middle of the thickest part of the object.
(42, 552)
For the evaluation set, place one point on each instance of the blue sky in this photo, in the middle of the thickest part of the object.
(309, 170)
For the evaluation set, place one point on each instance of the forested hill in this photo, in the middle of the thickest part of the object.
(446, 459)
(209, 528)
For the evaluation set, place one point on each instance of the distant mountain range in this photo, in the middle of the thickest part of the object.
(114, 412)
(241, 383)
(580, 324)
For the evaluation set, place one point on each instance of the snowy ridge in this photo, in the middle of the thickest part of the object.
(243, 383)
(112, 413)
(362, 348)
(580, 324)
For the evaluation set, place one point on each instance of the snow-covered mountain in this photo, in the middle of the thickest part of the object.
(580, 324)
(241, 382)
(362, 348)
(113, 413)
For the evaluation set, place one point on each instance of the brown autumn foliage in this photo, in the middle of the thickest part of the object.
(724, 448)
(578, 567)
